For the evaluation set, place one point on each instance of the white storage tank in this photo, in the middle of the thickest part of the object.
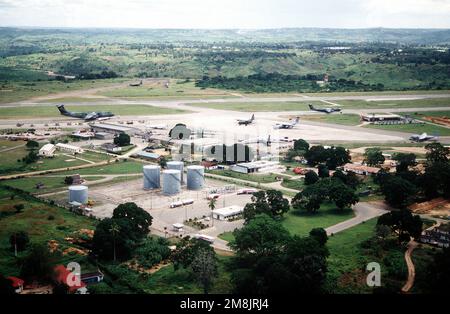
(177, 165)
(195, 177)
(171, 182)
(152, 178)
(79, 194)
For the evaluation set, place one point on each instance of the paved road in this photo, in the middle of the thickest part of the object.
(364, 211)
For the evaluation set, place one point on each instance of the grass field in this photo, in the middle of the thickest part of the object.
(122, 167)
(227, 236)
(258, 178)
(176, 89)
(21, 90)
(344, 119)
(9, 164)
(258, 107)
(346, 257)
(293, 184)
(35, 220)
(301, 222)
(413, 128)
(50, 111)
(51, 184)
(345, 104)
(413, 103)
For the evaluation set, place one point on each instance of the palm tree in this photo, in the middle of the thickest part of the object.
(114, 231)
(212, 206)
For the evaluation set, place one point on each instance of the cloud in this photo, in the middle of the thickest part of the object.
(226, 14)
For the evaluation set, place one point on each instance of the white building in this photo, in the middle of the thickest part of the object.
(69, 148)
(228, 212)
(48, 150)
(256, 166)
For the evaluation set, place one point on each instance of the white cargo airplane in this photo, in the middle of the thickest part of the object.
(422, 137)
(287, 125)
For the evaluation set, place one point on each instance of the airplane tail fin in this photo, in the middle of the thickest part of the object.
(253, 117)
(62, 109)
(297, 120)
(311, 107)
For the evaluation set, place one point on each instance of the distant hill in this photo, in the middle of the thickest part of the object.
(385, 35)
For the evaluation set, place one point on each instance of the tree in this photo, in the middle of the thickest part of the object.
(398, 192)
(19, 241)
(261, 236)
(32, 145)
(350, 179)
(204, 267)
(113, 239)
(212, 207)
(122, 140)
(383, 231)
(68, 180)
(301, 145)
(403, 223)
(163, 162)
(342, 195)
(404, 161)
(307, 264)
(311, 177)
(324, 172)
(31, 157)
(436, 152)
(316, 155)
(139, 219)
(337, 156)
(38, 264)
(374, 156)
(19, 208)
(187, 250)
(114, 229)
(312, 197)
(269, 202)
(320, 235)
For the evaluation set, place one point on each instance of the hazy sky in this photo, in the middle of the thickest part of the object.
(226, 13)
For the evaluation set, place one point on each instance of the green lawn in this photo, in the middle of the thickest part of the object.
(177, 89)
(35, 220)
(51, 184)
(346, 104)
(414, 103)
(258, 107)
(21, 90)
(9, 163)
(301, 222)
(344, 119)
(258, 178)
(346, 257)
(413, 128)
(121, 167)
(293, 184)
(227, 236)
(50, 111)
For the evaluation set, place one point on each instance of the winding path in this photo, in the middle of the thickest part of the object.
(411, 269)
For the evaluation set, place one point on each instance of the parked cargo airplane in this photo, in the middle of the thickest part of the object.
(287, 125)
(325, 110)
(246, 122)
(87, 116)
